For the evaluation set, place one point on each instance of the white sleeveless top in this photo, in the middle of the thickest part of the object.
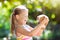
(26, 27)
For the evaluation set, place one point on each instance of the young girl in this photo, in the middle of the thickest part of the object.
(20, 29)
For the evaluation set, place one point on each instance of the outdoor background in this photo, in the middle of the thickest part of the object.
(51, 8)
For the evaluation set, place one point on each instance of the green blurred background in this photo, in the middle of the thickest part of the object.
(51, 8)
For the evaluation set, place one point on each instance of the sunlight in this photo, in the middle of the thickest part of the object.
(5, 1)
(41, 0)
(0, 4)
(55, 3)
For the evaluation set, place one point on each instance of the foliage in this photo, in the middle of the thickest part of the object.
(36, 7)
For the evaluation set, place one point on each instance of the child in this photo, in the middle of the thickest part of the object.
(20, 29)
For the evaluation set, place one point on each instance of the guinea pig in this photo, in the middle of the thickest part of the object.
(40, 18)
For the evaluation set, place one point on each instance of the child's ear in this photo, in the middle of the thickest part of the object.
(17, 17)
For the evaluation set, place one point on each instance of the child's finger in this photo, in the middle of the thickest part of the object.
(44, 21)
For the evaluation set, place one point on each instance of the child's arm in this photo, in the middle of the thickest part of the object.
(34, 31)
(41, 30)
(27, 33)
(38, 33)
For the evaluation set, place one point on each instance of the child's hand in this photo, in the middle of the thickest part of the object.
(43, 19)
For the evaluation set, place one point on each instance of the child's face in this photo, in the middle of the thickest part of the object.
(23, 17)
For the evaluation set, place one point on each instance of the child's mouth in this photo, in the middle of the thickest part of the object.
(25, 20)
